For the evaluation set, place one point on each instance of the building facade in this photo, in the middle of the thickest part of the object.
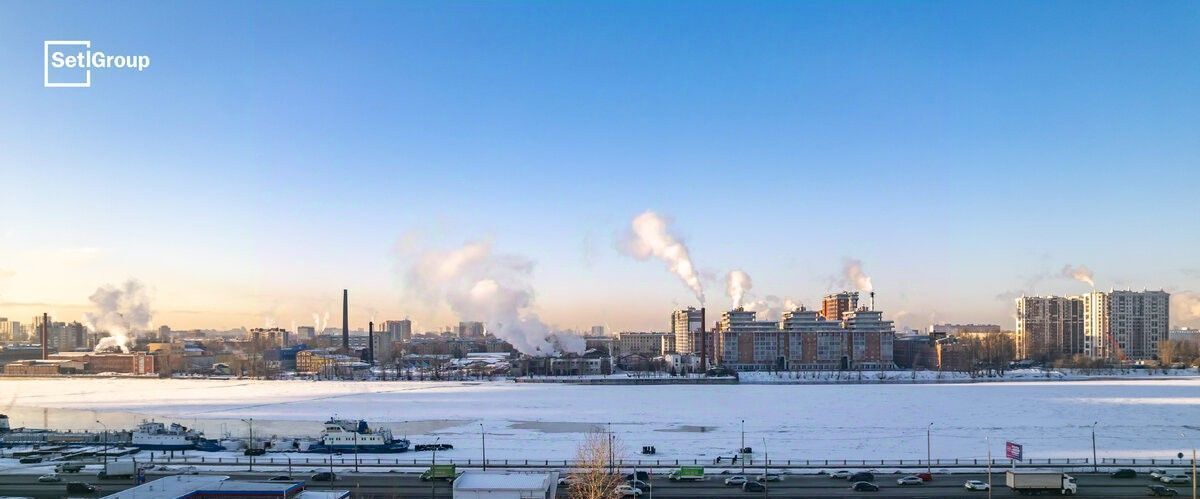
(1125, 325)
(1049, 327)
(804, 339)
(833, 306)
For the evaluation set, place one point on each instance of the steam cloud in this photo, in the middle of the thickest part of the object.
(853, 275)
(320, 324)
(771, 307)
(1080, 273)
(120, 310)
(650, 236)
(737, 283)
(1185, 306)
(493, 288)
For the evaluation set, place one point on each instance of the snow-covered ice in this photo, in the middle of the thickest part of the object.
(1137, 418)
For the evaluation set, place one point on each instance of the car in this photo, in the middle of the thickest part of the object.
(753, 487)
(566, 481)
(638, 475)
(910, 480)
(638, 484)
(189, 470)
(1156, 473)
(735, 480)
(53, 477)
(1123, 473)
(280, 478)
(80, 488)
(1161, 491)
(842, 474)
(925, 476)
(1175, 478)
(976, 485)
(862, 476)
(324, 476)
(30, 460)
(864, 487)
(626, 491)
(769, 477)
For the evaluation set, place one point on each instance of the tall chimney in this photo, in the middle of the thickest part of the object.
(703, 344)
(346, 320)
(872, 301)
(45, 332)
(371, 342)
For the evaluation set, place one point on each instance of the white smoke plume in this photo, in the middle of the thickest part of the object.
(320, 322)
(120, 310)
(771, 307)
(478, 284)
(650, 236)
(737, 284)
(1185, 308)
(853, 276)
(1080, 273)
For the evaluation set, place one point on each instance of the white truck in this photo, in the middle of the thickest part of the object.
(1033, 482)
(118, 469)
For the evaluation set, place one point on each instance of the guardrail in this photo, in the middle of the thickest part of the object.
(345, 461)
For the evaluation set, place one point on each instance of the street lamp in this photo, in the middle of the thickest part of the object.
(432, 467)
(929, 449)
(742, 449)
(250, 444)
(105, 440)
(1094, 463)
(483, 440)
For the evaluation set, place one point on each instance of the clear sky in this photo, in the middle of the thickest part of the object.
(274, 153)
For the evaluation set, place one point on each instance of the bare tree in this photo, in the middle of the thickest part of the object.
(596, 475)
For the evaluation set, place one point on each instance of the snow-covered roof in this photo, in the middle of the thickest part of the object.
(503, 480)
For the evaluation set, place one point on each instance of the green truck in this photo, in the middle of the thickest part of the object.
(687, 473)
(440, 472)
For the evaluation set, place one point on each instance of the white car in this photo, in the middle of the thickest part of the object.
(626, 491)
(976, 485)
(842, 475)
(1157, 473)
(770, 477)
(53, 477)
(910, 480)
(735, 480)
(1175, 478)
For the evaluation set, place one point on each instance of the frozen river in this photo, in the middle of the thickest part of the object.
(1136, 418)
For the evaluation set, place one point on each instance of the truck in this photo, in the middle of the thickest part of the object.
(1033, 482)
(440, 472)
(687, 473)
(118, 469)
(68, 467)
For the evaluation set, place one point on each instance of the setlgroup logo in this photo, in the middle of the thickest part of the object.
(69, 63)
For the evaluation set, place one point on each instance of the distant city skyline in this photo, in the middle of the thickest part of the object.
(963, 154)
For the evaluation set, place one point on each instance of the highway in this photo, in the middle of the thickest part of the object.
(408, 485)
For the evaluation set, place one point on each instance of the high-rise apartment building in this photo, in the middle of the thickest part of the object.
(1123, 325)
(1049, 327)
(398, 330)
(805, 339)
(833, 306)
(469, 329)
(11, 331)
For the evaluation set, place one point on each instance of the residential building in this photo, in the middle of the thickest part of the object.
(1125, 325)
(1049, 327)
(833, 306)
(644, 344)
(12, 331)
(400, 330)
(306, 333)
(805, 339)
(470, 329)
(938, 331)
(1189, 334)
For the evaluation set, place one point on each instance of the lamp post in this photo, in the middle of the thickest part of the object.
(766, 459)
(988, 441)
(742, 449)
(483, 441)
(1094, 463)
(105, 440)
(929, 449)
(250, 444)
(433, 478)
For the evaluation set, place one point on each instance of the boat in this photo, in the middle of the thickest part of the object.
(152, 435)
(343, 435)
(12, 437)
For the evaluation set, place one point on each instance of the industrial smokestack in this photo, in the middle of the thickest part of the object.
(371, 342)
(345, 320)
(703, 343)
(872, 301)
(45, 327)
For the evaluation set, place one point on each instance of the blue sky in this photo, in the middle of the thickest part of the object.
(274, 153)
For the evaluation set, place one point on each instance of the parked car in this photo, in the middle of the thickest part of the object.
(30, 460)
(864, 487)
(638, 484)
(1156, 473)
(626, 491)
(1124, 473)
(925, 476)
(53, 477)
(738, 480)
(843, 474)
(910, 480)
(769, 477)
(1175, 478)
(976, 485)
(1161, 491)
(753, 487)
(639, 475)
(862, 476)
(566, 481)
(80, 488)
(323, 476)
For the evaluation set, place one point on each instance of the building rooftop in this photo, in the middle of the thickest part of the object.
(503, 480)
(180, 486)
